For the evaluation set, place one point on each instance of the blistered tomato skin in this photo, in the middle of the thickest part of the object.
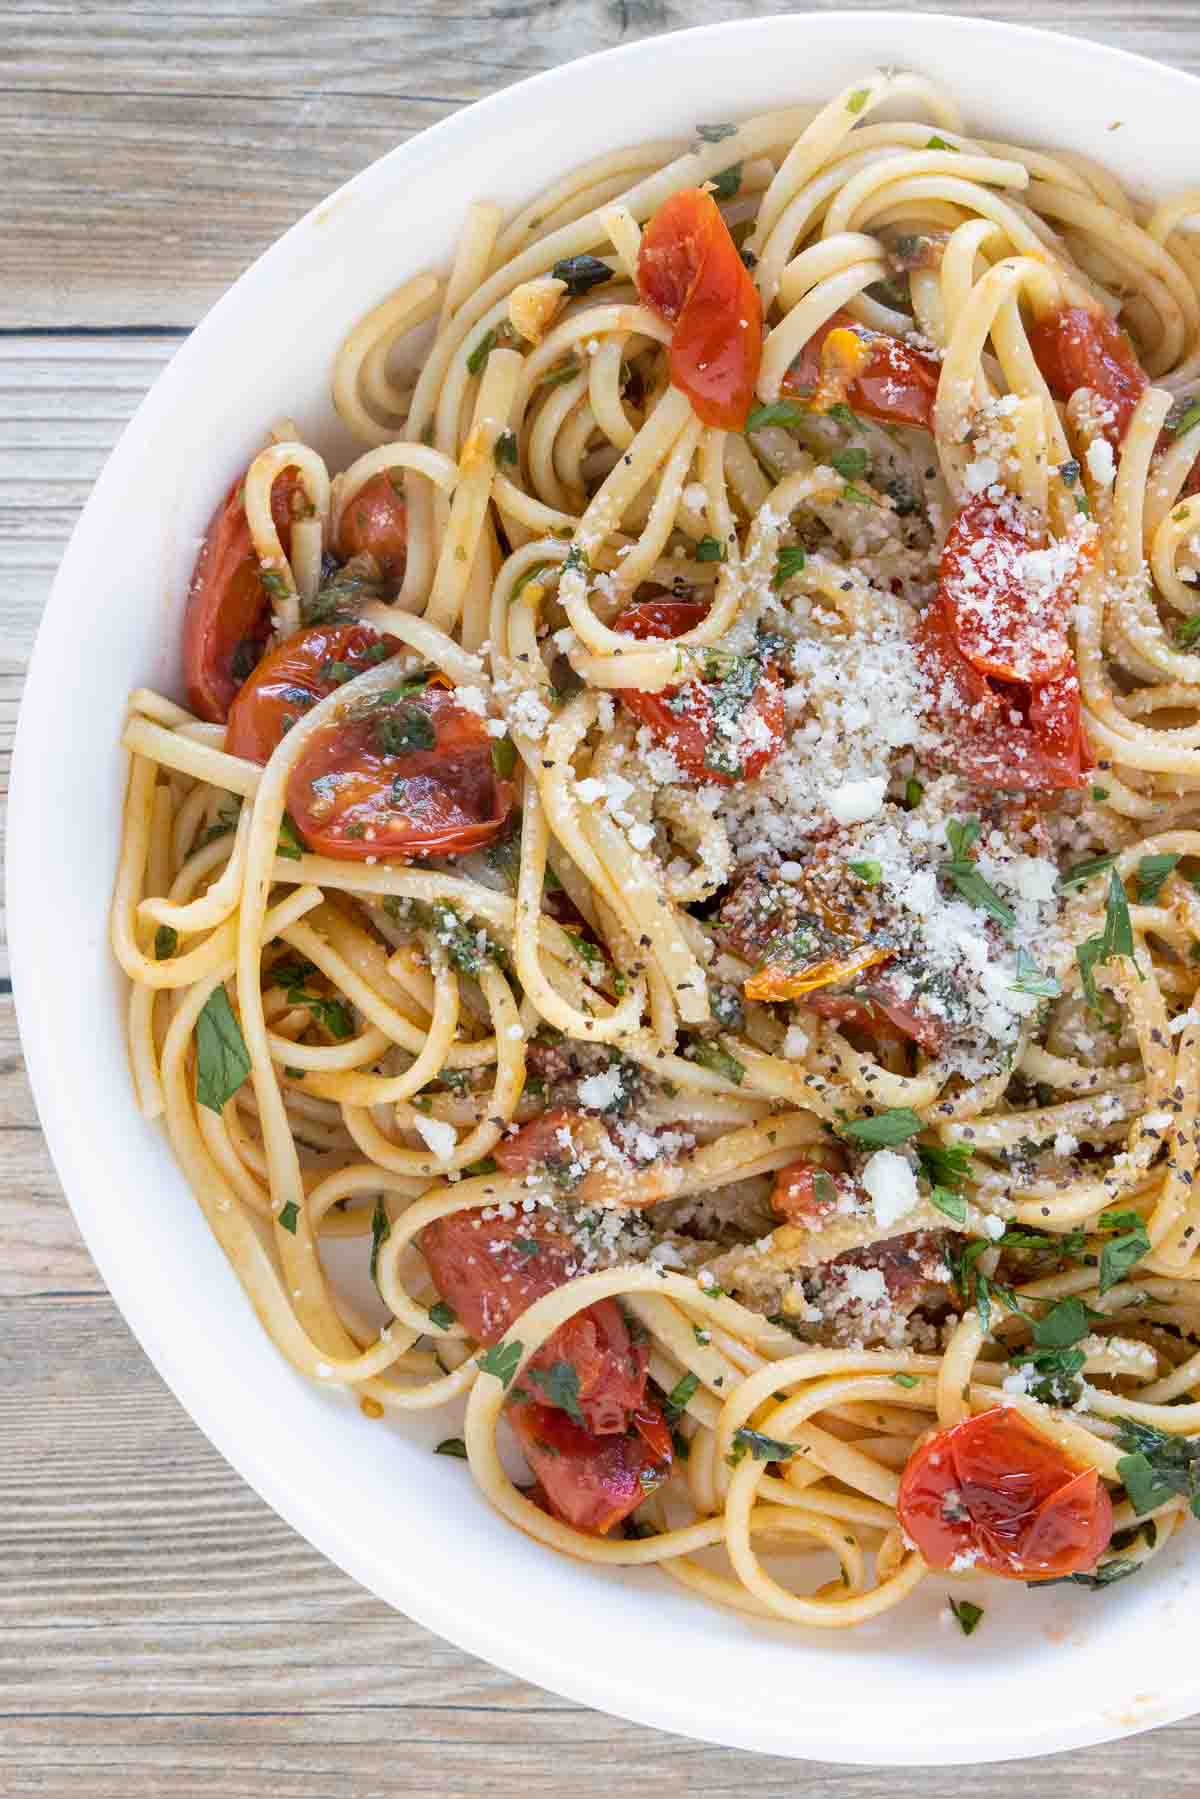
(690, 273)
(994, 1493)
(682, 718)
(588, 1481)
(408, 774)
(1004, 625)
(895, 384)
(1077, 348)
(228, 618)
(375, 523)
(297, 673)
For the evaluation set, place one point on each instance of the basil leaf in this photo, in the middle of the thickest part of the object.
(851, 464)
(952, 1204)
(444, 1316)
(945, 1164)
(1084, 871)
(405, 728)
(288, 1215)
(967, 1614)
(1120, 1254)
(1030, 979)
(779, 412)
(222, 1059)
(896, 1125)
(1063, 1325)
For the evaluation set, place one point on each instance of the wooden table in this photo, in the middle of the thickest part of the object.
(161, 1631)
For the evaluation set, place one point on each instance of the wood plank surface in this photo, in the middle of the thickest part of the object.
(161, 1631)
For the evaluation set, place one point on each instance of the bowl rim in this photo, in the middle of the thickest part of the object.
(406, 1587)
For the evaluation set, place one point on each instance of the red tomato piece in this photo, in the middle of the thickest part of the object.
(297, 673)
(406, 774)
(875, 1013)
(686, 719)
(1004, 735)
(995, 1488)
(228, 618)
(546, 1141)
(1079, 348)
(800, 1197)
(592, 1482)
(375, 523)
(491, 1270)
(689, 271)
(881, 377)
(994, 585)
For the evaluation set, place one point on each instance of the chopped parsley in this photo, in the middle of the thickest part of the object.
(502, 1360)
(965, 876)
(381, 1230)
(1157, 1467)
(850, 464)
(726, 184)
(789, 562)
(405, 727)
(291, 845)
(779, 412)
(715, 134)
(761, 1447)
(1084, 871)
(504, 756)
(1152, 871)
(1115, 940)
(452, 1446)
(709, 550)
(869, 871)
(505, 448)
(680, 1394)
(560, 1383)
(166, 942)
(966, 1613)
(581, 273)
(444, 1316)
(710, 1055)
(1030, 979)
(288, 1216)
(858, 99)
(1123, 1252)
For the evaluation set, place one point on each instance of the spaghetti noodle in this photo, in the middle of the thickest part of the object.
(686, 854)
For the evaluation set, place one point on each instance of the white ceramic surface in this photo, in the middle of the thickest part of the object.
(1046, 1670)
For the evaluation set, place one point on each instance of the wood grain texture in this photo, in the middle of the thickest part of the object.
(161, 1631)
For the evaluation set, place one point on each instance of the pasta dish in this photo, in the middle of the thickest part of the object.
(666, 916)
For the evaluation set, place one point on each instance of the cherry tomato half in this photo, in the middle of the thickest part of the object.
(689, 272)
(1006, 621)
(589, 1481)
(692, 720)
(994, 1488)
(297, 673)
(1079, 348)
(876, 374)
(879, 1013)
(1006, 735)
(375, 523)
(404, 774)
(491, 1270)
(228, 618)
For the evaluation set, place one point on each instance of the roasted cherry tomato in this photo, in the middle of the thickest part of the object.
(589, 1481)
(297, 673)
(879, 1013)
(995, 1490)
(1079, 348)
(805, 1192)
(491, 1270)
(1007, 612)
(404, 774)
(228, 619)
(375, 523)
(714, 729)
(689, 272)
(1003, 734)
(869, 371)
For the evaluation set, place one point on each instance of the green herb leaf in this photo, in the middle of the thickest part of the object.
(1158, 1466)
(710, 1055)
(914, 793)
(896, 1125)
(680, 1394)
(851, 464)
(1030, 979)
(1189, 418)
(222, 1060)
(967, 1614)
(482, 350)
(1064, 1324)
(789, 562)
(504, 756)
(452, 1446)
(502, 1360)
(1187, 634)
(939, 143)
(581, 273)
(1057, 1373)
(505, 448)
(1152, 871)
(857, 496)
(726, 184)
(1118, 1568)
(869, 871)
(715, 134)
(961, 870)
(561, 373)
(905, 1380)
(952, 1204)
(334, 1014)
(709, 550)
(166, 942)
(1084, 871)
(858, 99)
(1120, 1254)
(945, 1164)
(406, 727)
(560, 1383)
(381, 1230)
(291, 845)
(288, 1215)
(761, 1447)
(779, 412)
(444, 1316)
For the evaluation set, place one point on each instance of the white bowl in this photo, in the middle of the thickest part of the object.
(1046, 1670)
